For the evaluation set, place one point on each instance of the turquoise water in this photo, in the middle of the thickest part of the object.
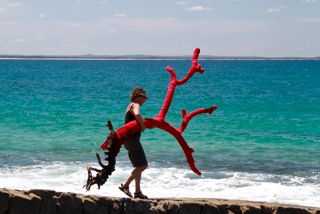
(262, 143)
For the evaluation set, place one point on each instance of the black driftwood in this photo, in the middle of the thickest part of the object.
(104, 173)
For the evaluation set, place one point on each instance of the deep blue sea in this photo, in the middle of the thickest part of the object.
(261, 144)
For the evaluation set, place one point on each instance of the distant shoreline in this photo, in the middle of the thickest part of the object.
(145, 57)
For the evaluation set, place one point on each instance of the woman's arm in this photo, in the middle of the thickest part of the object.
(136, 112)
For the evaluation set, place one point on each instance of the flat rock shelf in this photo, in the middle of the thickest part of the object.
(40, 201)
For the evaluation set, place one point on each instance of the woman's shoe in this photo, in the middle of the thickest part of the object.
(140, 195)
(125, 190)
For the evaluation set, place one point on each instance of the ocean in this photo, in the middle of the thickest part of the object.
(261, 144)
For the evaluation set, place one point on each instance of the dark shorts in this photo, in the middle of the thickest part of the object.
(135, 151)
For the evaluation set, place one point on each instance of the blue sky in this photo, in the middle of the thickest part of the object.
(270, 28)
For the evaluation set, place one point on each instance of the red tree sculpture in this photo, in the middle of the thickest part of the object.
(116, 139)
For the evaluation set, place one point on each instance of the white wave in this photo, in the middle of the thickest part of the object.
(168, 183)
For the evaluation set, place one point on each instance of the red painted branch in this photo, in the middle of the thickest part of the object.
(194, 68)
(128, 129)
(184, 145)
(167, 102)
(188, 117)
(174, 82)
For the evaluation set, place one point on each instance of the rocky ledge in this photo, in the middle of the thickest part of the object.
(40, 201)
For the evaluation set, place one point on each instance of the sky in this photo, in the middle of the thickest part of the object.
(266, 28)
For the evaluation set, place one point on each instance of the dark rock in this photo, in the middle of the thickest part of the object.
(236, 209)
(223, 208)
(51, 202)
(4, 201)
(128, 206)
(210, 209)
(117, 206)
(22, 203)
(89, 206)
(157, 207)
(69, 203)
(141, 206)
(54, 205)
(291, 210)
(189, 207)
(46, 196)
(251, 210)
(103, 205)
(266, 210)
(173, 207)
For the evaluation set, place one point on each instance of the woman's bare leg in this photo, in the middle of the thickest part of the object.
(135, 175)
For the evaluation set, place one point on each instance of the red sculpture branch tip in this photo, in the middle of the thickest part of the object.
(187, 117)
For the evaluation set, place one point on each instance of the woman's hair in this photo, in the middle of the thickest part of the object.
(138, 92)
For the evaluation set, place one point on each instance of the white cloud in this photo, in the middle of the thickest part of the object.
(308, 1)
(198, 8)
(182, 3)
(310, 20)
(34, 39)
(9, 7)
(14, 4)
(75, 24)
(276, 9)
(175, 26)
(120, 15)
(300, 48)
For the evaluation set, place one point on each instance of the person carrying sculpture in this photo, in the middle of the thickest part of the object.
(133, 145)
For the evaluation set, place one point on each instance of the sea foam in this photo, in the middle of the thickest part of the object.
(167, 183)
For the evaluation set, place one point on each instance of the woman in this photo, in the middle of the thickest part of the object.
(133, 145)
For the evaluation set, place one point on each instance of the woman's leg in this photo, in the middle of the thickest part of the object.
(138, 177)
(135, 175)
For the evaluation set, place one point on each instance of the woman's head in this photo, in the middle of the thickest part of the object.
(138, 92)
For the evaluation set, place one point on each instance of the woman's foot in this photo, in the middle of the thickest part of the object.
(125, 190)
(140, 195)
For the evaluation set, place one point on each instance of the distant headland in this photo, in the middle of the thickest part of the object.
(144, 57)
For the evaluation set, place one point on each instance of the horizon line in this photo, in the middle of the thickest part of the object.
(141, 56)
